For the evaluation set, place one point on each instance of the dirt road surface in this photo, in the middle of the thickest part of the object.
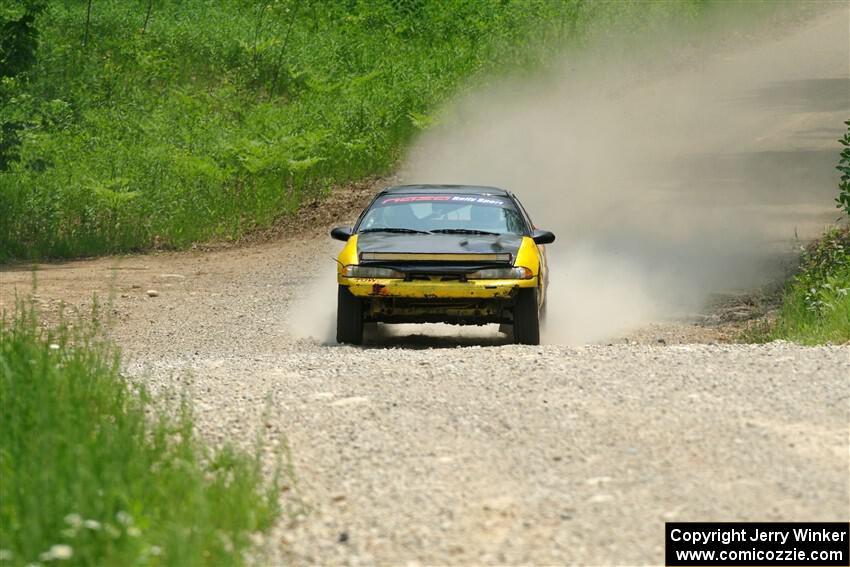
(426, 448)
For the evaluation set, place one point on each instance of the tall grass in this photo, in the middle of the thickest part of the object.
(92, 471)
(208, 119)
(816, 302)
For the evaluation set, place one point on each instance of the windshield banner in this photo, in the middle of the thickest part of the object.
(459, 199)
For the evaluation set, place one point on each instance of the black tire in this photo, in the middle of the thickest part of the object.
(526, 318)
(349, 317)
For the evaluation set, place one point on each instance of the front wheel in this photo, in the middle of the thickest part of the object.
(526, 318)
(349, 317)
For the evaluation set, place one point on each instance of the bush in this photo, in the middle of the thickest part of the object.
(816, 304)
(91, 469)
(843, 198)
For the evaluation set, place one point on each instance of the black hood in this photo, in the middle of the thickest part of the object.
(392, 243)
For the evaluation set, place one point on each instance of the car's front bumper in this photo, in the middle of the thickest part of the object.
(432, 288)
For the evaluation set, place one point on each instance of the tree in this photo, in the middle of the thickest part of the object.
(19, 39)
(18, 47)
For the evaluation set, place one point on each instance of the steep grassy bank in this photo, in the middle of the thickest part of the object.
(91, 471)
(159, 123)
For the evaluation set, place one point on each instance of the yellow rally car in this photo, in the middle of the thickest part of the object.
(442, 254)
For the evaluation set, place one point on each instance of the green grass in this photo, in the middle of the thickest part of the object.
(217, 118)
(90, 466)
(816, 303)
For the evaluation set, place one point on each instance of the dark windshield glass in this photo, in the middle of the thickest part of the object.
(445, 213)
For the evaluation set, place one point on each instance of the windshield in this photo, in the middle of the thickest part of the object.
(474, 214)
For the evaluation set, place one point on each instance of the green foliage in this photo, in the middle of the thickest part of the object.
(18, 45)
(844, 167)
(18, 39)
(816, 305)
(91, 467)
(162, 123)
(822, 266)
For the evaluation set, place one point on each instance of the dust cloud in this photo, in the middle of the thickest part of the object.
(313, 314)
(666, 179)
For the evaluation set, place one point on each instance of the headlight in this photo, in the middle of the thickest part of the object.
(501, 274)
(354, 271)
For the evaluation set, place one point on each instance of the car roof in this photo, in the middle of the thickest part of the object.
(458, 189)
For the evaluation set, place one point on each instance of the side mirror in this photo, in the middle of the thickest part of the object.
(341, 233)
(542, 237)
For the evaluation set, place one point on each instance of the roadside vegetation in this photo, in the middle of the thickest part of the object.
(816, 302)
(126, 125)
(92, 471)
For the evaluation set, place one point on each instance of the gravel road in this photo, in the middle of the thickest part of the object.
(422, 450)
(550, 455)
(430, 449)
